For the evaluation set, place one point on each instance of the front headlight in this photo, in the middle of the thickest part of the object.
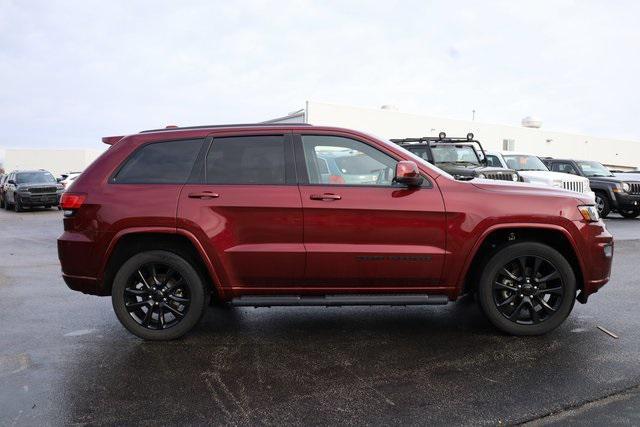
(514, 177)
(481, 176)
(626, 187)
(557, 183)
(589, 213)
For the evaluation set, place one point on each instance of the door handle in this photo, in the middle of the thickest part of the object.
(325, 196)
(204, 195)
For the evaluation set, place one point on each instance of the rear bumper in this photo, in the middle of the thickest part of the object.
(79, 261)
(86, 285)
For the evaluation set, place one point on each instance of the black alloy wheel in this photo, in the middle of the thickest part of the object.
(158, 295)
(528, 290)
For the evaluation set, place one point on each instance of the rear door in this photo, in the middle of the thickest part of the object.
(362, 231)
(245, 206)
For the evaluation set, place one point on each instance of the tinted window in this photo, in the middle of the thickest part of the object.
(348, 162)
(160, 163)
(34, 178)
(247, 160)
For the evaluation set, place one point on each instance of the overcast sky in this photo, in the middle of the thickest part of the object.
(73, 71)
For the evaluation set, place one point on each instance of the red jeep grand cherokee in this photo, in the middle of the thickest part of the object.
(167, 220)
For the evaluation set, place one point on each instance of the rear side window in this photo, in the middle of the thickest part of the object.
(168, 162)
(247, 160)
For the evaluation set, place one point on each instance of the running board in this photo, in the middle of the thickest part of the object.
(338, 300)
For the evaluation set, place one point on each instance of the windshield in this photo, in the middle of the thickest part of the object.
(454, 154)
(525, 163)
(594, 169)
(34, 178)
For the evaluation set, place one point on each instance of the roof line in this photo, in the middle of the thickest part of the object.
(227, 126)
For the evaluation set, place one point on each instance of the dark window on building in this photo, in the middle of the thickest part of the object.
(247, 160)
(167, 162)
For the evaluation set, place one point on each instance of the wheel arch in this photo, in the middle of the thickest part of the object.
(130, 242)
(498, 237)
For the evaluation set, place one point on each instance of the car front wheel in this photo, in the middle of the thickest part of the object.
(631, 213)
(527, 288)
(158, 295)
(603, 205)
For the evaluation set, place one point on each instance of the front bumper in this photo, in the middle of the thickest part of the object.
(628, 201)
(29, 199)
(597, 255)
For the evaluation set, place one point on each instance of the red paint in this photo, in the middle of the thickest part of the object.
(315, 239)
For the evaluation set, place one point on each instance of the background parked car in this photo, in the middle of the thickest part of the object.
(67, 178)
(612, 193)
(531, 169)
(459, 157)
(3, 180)
(30, 189)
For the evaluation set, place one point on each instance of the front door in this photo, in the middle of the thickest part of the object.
(363, 232)
(247, 209)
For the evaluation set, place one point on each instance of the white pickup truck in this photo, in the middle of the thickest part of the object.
(532, 170)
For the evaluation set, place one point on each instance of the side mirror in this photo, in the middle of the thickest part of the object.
(58, 180)
(11, 182)
(407, 173)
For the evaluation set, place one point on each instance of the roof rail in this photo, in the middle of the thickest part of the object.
(228, 126)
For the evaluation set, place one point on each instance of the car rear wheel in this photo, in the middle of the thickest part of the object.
(527, 288)
(632, 213)
(603, 204)
(158, 295)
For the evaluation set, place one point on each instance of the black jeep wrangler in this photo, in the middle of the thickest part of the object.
(457, 156)
(613, 193)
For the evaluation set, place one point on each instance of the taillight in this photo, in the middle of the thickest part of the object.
(71, 201)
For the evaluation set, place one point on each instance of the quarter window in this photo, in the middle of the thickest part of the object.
(167, 162)
(337, 160)
(247, 160)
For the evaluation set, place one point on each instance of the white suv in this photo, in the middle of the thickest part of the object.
(532, 170)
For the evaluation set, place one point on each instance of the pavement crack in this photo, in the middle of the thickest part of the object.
(588, 404)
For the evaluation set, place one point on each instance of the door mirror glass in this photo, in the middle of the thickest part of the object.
(11, 182)
(407, 173)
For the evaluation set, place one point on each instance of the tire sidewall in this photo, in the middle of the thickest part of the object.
(189, 274)
(606, 209)
(507, 254)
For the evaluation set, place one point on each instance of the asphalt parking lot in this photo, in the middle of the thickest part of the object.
(65, 359)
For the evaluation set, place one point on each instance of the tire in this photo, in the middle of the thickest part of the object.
(500, 297)
(603, 204)
(633, 213)
(17, 206)
(1, 203)
(47, 206)
(130, 295)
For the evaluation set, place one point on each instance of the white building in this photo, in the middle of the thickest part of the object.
(388, 122)
(55, 161)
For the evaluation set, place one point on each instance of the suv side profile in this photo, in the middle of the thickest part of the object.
(166, 221)
(613, 193)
